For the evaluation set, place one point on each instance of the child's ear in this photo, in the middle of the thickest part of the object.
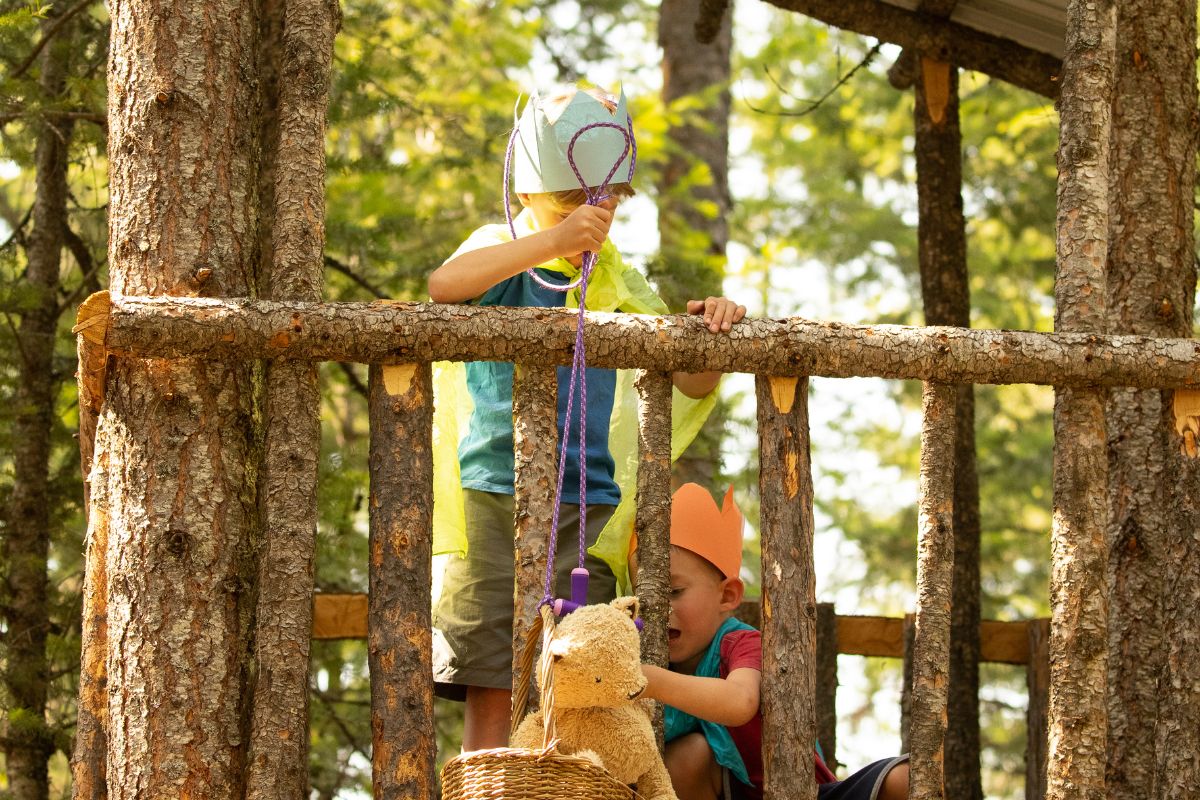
(732, 592)
(524, 198)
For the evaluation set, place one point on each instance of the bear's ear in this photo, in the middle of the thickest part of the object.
(627, 604)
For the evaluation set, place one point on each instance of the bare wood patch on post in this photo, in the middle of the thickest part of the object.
(789, 594)
(535, 451)
(1186, 406)
(399, 615)
(653, 521)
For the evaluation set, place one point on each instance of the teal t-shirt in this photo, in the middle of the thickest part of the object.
(486, 453)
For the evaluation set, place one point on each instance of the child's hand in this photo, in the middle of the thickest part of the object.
(719, 312)
(584, 229)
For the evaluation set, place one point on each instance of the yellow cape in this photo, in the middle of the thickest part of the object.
(613, 287)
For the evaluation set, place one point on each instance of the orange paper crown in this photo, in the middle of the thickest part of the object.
(714, 535)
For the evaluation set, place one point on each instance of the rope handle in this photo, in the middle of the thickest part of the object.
(543, 627)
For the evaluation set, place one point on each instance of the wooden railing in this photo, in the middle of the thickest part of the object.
(400, 341)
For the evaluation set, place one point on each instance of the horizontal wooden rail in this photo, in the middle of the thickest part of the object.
(392, 332)
(344, 616)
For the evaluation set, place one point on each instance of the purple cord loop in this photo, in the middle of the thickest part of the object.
(579, 362)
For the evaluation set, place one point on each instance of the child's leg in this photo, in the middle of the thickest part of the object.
(486, 718)
(694, 771)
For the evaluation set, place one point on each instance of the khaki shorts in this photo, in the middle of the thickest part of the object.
(472, 617)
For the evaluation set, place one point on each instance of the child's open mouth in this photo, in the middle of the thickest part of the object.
(672, 634)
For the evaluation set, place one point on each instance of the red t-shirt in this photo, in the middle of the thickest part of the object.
(742, 649)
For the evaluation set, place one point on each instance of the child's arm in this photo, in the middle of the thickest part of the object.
(471, 274)
(720, 313)
(730, 701)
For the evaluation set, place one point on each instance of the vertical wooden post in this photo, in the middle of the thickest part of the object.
(906, 687)
(1037, 679)
(935, 575)
(653, 522)
(1078, 716)
(399, 621)
(788, 592)
(827, 682)
(535, 454)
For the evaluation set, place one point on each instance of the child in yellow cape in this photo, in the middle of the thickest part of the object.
(473, 451)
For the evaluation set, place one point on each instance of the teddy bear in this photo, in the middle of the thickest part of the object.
(598, 680)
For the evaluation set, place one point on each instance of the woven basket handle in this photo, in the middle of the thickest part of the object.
(543, 626)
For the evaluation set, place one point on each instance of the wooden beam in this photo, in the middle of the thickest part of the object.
(399, 617)
(935, 578)
(937, 38)
(147, 327)
(535, 456)
(344, 616)
(789, 605)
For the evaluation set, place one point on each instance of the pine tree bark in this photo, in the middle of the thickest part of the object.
(693, 212)
(28, 742)
(288, 484)
(1154, 569)
(945, 294)
(238, 329)
(177, 435)
(1078, 583)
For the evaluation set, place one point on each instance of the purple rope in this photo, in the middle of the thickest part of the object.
(578, 361)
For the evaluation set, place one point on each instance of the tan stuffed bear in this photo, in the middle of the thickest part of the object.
(597, 681)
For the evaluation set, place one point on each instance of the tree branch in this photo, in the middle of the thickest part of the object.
(48, 34)
(943, 40)
(345, 269)
(392, 332)
(815, 104)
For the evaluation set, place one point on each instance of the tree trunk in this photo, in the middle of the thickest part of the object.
(693, 211)
(1078, 587)
(178, 434)
(28, 742)
(366, 332)
(288, 483)
(1154, 559)
(945, 294)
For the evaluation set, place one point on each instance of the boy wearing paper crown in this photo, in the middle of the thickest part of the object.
(711, 691)
(569, 181)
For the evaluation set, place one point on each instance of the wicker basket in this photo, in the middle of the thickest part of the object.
(507, 773)
(510, 773)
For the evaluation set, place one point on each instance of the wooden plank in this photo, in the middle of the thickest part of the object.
(935, 575)
(399, 617)
(1037, 680)
(653, 521)
(344, 616)
(535, 455)
(788, 592)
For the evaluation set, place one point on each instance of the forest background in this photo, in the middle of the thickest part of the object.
(822, 225)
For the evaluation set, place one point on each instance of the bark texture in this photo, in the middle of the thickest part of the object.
(1078, 583)
(827, 682)
(288, 483)
(939, 39)
(653, 521)
(177, 434)
(1037, 682)
(935, 577)
(789, 605)
(28, 742)
(399, 640)
(236, 329)
(1151, 283)
(945, 294)
(693, 188)
(535, 451)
